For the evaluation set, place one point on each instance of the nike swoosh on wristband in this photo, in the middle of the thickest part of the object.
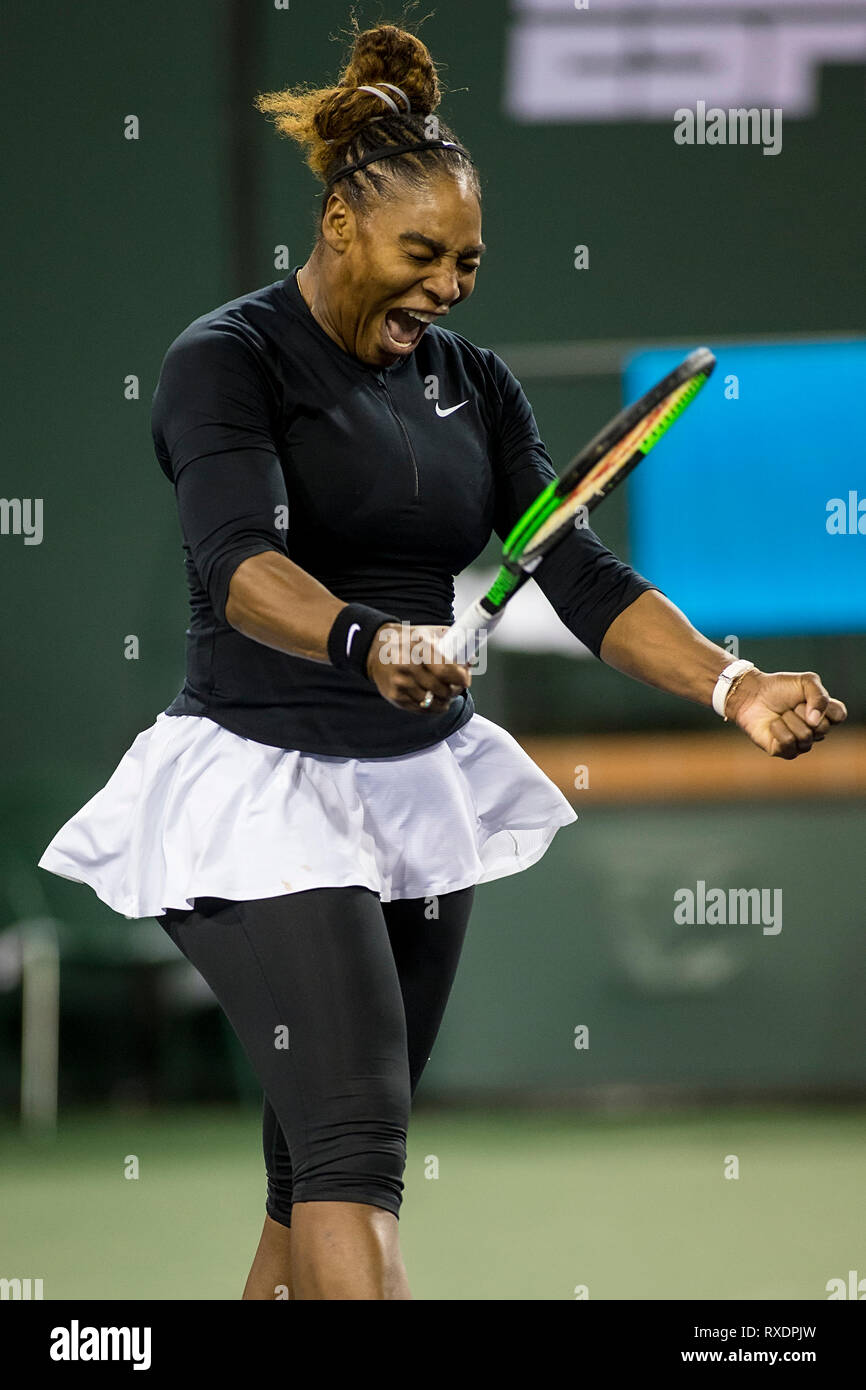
(356, 627)
(451, 409)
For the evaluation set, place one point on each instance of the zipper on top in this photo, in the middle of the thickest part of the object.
(393, 410)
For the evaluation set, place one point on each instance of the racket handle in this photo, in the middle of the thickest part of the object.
(465, 641)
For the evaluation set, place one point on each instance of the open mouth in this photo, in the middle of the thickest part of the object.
(403, 329)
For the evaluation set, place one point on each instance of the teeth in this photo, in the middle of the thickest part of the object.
(420, 315)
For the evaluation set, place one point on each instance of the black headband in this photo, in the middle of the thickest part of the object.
(390, 150)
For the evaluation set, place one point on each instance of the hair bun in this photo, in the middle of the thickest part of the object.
(324, 119)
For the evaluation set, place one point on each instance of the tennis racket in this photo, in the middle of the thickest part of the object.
(563, 504)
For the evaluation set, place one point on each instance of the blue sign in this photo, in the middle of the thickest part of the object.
(750, 514)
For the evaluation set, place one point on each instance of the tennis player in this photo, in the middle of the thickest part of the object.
(310, 816)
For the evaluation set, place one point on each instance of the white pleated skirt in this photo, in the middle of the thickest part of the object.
(193, 810)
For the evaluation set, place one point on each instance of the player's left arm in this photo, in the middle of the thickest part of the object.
(783, 712)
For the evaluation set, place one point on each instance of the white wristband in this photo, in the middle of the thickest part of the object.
(725, 681)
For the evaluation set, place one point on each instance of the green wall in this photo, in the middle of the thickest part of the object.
(588, 937)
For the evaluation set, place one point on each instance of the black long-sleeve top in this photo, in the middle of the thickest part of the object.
(382, 483)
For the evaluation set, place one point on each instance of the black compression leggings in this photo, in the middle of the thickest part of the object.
(336, 999)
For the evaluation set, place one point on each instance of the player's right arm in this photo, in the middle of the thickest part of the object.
(274, 601)
(213, 419)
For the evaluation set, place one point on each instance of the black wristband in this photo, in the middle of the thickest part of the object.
(351, 636)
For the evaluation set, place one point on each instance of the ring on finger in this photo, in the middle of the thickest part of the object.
(427, 701)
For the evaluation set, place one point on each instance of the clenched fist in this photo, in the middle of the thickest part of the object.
(783, 712)
(408, 670)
